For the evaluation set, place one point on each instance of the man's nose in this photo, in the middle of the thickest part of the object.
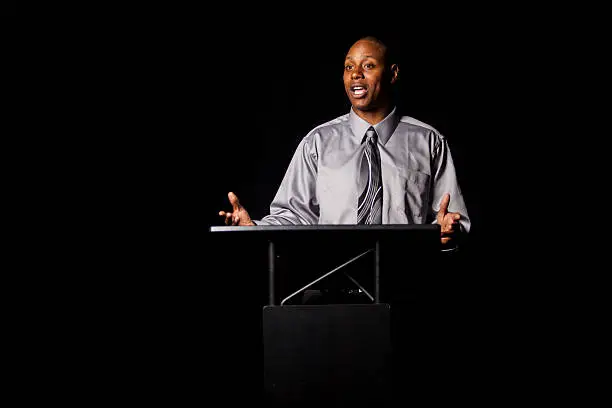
(357, 73)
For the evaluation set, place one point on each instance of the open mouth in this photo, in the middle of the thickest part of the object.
(358, 91)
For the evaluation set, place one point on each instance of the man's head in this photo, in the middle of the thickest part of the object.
(369, 74)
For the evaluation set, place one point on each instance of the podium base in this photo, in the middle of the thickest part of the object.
(336, 353)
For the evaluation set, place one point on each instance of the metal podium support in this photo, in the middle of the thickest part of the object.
(338, 353)
(428, 234)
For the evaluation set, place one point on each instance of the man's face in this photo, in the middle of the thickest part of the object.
(365, 81)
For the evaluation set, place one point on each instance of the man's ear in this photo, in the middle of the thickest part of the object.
(394, 73)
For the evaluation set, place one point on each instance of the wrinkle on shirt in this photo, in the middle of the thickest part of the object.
(321, 182)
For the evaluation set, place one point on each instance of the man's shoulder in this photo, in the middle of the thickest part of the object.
(410, 125)
(412, 122)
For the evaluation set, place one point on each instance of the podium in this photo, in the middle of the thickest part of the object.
(338, 353)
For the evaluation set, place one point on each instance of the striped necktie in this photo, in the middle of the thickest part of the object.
(369, 206)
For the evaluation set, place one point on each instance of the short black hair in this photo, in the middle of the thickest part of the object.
(389, 42)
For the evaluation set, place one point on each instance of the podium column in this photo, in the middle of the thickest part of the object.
(271, 273)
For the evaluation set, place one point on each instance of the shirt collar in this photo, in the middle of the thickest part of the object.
(384, 128)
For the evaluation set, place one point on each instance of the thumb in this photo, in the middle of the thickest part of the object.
(233, 199)
(444, 205)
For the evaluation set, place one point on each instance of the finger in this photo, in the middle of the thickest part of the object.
(444, 203)
(222, 213)
(233, 201)
(228, 218)
(443, 208)
(448, 225)
(445, 240)
(451, 218)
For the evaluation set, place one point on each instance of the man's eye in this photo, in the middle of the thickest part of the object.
(348, 67)
(369, 66)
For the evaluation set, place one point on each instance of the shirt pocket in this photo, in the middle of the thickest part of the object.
(416, 193)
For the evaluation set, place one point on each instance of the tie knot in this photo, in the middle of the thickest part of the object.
(371, 135)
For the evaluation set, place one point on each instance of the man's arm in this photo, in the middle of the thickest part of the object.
(447, 203)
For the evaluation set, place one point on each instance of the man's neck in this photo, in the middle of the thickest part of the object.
(374, 116)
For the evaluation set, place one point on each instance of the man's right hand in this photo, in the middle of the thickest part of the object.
(238, 216)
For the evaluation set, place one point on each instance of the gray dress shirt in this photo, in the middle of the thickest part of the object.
(320, 185)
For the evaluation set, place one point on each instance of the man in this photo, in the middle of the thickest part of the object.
(370, 166)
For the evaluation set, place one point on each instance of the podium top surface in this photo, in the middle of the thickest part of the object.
(424, 228)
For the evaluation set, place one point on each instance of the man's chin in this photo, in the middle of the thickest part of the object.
(361, 105)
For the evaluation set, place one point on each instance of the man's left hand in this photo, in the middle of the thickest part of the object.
(448, 221)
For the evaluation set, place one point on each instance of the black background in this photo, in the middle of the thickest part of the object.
(188, 112)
